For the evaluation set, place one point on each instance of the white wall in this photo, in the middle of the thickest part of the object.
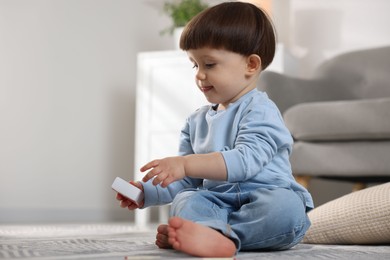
(325, 28)
(67, 88)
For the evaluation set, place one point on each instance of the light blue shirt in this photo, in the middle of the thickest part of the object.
(253, 140)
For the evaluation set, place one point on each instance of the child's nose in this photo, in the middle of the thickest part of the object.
(200, 75)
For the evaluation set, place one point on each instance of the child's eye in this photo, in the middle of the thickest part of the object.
(195, 66)
(209, 65)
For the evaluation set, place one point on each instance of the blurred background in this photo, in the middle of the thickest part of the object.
(68, 77)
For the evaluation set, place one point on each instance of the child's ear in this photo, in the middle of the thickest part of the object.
(253, 63)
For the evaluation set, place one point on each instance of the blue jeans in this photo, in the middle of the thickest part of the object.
(259, 219)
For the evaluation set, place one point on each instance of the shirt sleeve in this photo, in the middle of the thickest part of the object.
(156, 195)
(185, 146)
(261, 136)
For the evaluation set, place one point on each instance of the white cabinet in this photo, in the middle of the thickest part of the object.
(166, 95)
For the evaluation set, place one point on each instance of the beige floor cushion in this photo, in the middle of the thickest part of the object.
(361, 217)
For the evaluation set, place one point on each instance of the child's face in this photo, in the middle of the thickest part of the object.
(223, 76)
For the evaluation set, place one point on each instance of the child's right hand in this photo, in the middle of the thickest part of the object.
(126, 203)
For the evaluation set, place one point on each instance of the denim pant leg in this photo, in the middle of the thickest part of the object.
(273, 219)
(207, 208)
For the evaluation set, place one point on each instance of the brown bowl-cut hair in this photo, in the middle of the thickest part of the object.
(239, 27)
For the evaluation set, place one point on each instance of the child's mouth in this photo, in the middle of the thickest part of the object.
(206, 88)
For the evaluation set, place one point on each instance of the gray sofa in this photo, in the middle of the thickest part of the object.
(340, 118)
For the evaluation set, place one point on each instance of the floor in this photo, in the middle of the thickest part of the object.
(124, 241)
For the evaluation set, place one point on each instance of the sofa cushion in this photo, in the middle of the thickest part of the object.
(367, 119)
(287, 91)
(347, 159)
(371, 65)
(360, 217)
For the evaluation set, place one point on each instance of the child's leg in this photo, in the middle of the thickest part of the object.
(198, 240)
(200, 219)
(278, 216)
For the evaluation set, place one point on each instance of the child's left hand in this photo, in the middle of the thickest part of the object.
(165, 170)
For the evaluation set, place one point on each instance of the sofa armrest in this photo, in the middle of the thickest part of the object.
(367, 119)
(287, 91)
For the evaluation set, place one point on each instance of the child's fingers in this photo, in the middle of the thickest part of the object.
(119, 196)
(167, 181)
(138, 185)
(149, 165)
(151, 174)
(125, 203)
(160, 178)
(128, 204)
(132, 206)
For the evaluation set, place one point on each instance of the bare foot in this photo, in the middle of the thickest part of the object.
(198, 240)
(162, 237)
